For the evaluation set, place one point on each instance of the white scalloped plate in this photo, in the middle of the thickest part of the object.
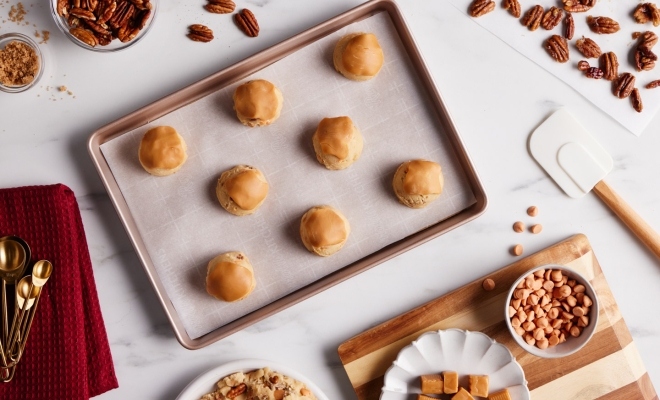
(457, 350)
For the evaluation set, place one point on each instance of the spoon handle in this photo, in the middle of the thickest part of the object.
(5, 329)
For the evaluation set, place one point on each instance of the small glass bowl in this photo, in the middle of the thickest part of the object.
(116, 44)
(18, 37)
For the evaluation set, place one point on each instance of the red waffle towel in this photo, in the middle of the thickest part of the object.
(67, 356)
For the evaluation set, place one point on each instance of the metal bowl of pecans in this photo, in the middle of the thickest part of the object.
(104, 25)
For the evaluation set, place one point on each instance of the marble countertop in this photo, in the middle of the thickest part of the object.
(497, 98)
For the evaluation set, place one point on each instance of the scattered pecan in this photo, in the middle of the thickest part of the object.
(594, 73)
(610, 66)
(248, 23)
(636, 100)
(636, 35)
(84, 36)
(532, 18)
(649, 39)
(570, 26)
(578, 5)
(603, 25)
(646, 12)
(220, 6)
(624, 85)
(557, 47)
(513, 6)
(588, 47)
(653, 84)
(82, 14)
(552, 18)
(583, 65)
(644, 59)
(236, 391)
(200, 33)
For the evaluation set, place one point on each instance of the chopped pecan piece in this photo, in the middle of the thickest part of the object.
(636, 100)
(248, 22)
(570, 26)
(603, 25)
(578, 5)
(583, 65)
(532, 18)
(557, 47)
(200, 33)
(636, 35)
(610, 66)
(594, 73)
(236, 391)
(588, 47)
(653, 84)
(84, 36)
(220, 6)
(646, 12)
(513, 6)
(624, 85)
(552, 18)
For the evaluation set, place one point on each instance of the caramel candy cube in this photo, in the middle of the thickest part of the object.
(462, 395)
(479, 385)
(501, 395)
(432, 384)
(422, 397)
(451, 381)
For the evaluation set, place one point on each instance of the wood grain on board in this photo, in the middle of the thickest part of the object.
(608, 367)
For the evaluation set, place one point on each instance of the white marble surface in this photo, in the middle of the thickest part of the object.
(496, 96)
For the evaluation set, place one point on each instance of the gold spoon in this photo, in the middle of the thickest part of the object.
(26, 295)
(12, 261)
(41, 272)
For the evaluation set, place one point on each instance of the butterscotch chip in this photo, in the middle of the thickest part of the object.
(533, 211)
(536, 228)
(488, 284)
(518, 227)
(517, 250)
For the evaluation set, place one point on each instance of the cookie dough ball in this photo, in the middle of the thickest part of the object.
(324, 230)
(258, 103)
(358, 56)
(417, 183)
(162, 151)
(241, 190)
(230, 277)
(337, 142)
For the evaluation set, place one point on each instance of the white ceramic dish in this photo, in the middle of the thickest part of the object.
(572, 344)
(457, 350)
(205, 383)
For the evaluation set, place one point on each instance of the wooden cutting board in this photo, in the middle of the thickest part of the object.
(607, 368)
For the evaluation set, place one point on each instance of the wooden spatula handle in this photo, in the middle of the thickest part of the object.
(636, 224)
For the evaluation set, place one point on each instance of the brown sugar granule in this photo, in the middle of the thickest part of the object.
(37, 34)
(62, 88)
(19, 64)
(17, 13)
(46, 37)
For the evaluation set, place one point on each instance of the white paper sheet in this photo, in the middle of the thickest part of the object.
(503, 25)
(183, 225)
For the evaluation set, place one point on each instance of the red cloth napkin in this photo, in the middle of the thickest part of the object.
(67, 356)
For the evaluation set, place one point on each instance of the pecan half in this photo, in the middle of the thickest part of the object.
(649, 39)
(100, 30)
(578, 5)
(143, 18)
(569, 31)
(200, 33)
(644, 59)
(220, 6)
(128, 34)
(610, 66)
(552, 18)
(73, 21)
(594, 73)
(513, 6)
(646, 12)
(653, 84)
(583, 65)
(624, 85)
(532, 18)
(82, 14)
(636, 100)
(236, 391)
(557, 47)
(248, 22)
(107, 11)
(603, 25)
(62, 8)
(588, 47)
(84, 36)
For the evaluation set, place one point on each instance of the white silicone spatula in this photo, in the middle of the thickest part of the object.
(575, 160)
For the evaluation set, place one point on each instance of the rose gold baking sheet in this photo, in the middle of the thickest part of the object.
(411, 104)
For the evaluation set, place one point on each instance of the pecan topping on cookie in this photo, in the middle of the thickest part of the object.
(610, 66)
(603, 25)
(624, 85)
(636, 100)
(513, 6)
(532, 18)
(552, 18)
(588, 47)
(557, 47)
